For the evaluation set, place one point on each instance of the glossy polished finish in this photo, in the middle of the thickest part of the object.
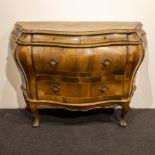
(78, 65)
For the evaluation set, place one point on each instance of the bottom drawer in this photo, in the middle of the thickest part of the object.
(79, 92)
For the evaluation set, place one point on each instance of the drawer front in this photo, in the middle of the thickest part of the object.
(78, 61)
(58, 39)
(80, 40)
(78, 92)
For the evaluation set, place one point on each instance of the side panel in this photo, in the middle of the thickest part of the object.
(135, 55)
(12, 48)
(24, 58)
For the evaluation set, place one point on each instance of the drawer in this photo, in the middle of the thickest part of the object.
(106, 38)
(58, 39)
(87, 39)
(79, 40)
(76, 61)
(56, 90)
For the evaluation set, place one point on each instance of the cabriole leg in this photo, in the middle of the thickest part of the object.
(27, 107)
(34, 109)
(125, 109)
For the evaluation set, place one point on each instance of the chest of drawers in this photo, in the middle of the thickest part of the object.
(78, 65)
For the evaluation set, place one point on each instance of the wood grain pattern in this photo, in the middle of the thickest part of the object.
(78, 65)
(79, 60)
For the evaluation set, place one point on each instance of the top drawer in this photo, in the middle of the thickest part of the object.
(57, 39)
(95, 39)
(79, 61)
(76, 40)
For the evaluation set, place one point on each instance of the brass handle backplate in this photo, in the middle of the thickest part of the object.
(106, 62)
(53, 63)
(103, 89)
(56, 88)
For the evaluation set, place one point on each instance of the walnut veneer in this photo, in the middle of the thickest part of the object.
(78, 65)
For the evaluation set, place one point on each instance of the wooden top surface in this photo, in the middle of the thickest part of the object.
(78, 28)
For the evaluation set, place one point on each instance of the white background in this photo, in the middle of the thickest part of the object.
(76, 10)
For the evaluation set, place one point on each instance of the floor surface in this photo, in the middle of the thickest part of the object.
(62, 132)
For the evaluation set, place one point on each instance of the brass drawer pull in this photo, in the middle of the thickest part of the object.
(56, 88)
(103, 89)
(106, 62)
(53, 63)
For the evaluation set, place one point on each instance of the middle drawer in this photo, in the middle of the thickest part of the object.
(77, 62)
